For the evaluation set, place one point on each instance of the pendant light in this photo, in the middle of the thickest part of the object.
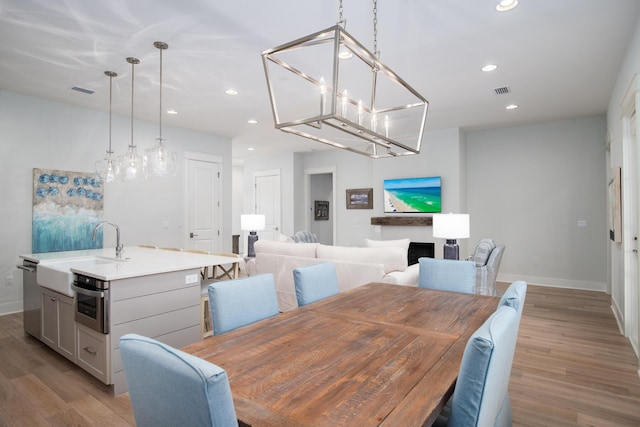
(158, 160)
(131, 163)
(107, 168)
(330, 88)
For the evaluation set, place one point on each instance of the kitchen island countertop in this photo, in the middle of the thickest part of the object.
(135, 262)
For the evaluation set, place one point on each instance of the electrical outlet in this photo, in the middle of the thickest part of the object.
(190, 278)
(8, 280)
(165, 224)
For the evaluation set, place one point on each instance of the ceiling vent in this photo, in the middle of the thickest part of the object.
(502, 90)
(83, 90)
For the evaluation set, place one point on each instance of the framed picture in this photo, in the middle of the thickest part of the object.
(321, 210)
(361, 198)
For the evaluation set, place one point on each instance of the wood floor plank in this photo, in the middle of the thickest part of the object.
(572, 367)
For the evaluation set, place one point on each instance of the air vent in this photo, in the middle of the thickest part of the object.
(502, 90)
(83, 90)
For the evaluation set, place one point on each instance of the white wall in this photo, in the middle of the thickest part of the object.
(528, 187)
(525, 186)
(37, 133)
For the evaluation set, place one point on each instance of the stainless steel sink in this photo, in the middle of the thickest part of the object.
(57, 275)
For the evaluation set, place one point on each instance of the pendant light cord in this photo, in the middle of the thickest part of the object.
(160, 115)
(376, 52)
(161, 46)
(133, 62)
(111, 75)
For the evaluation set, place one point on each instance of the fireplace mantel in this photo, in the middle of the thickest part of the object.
(402, 220)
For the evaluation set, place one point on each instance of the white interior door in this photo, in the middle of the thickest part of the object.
(203, 205)
(267, 202)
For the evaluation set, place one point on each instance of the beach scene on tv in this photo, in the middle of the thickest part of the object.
(412, 195)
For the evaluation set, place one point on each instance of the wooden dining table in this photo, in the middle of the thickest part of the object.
(377, 355)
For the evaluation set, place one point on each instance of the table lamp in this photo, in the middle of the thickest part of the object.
(252, 223)
(451, 227)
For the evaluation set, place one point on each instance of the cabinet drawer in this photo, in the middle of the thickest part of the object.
(93, 353)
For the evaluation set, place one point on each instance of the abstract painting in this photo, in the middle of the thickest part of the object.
(66, 208)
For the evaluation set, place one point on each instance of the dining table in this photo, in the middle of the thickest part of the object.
(377, 355)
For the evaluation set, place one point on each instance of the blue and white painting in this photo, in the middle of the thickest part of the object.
(66, 208)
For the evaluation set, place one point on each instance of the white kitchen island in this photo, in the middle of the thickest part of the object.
(152, 292)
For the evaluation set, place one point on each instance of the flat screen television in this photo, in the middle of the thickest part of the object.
(412, 195)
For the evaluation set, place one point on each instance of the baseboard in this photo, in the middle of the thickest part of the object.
(10, 307)
(617, 314)
(555, 283)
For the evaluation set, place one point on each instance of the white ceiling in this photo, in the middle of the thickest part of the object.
(559, 58)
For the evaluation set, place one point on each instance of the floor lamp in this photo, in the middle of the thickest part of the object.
(252, 223)
(451, 227)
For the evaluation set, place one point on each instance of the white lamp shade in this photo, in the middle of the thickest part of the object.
(451, 226)
(252, 222)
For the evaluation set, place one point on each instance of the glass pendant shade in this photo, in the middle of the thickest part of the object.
(358, 104)
(131, 165)
(107, 168)
(159, 161)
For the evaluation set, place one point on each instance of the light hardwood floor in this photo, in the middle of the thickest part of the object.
(571, 367)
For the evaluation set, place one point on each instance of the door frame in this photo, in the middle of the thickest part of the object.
(631, 195)
(308, 202)
(203, 157)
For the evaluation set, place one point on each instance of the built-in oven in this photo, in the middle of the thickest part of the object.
(92, 302)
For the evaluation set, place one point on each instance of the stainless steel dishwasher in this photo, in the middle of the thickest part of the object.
(30, 298)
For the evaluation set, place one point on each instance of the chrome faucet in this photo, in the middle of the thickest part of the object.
(118, 244)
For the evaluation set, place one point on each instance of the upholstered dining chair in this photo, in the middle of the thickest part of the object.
(168, 387)
(514, 296)
(315, 282)
(239, 302)
(481, 395)
(447, 275)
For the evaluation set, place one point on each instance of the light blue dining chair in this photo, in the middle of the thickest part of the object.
(315, 282)
(482, 387)
(514, 296)
(447, 275)
(168, 387)
(239, 302)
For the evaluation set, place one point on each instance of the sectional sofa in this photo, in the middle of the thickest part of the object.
(378, 261)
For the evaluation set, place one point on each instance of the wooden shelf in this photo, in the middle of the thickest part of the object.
(402, 220)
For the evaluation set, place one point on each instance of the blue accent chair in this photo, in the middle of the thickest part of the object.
(168, 387)
(315, 282)
(483, 380)
(239, 302)
(447, 275)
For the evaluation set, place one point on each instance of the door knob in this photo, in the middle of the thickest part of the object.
(192, 235)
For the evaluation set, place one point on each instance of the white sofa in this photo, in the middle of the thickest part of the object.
(382, 261)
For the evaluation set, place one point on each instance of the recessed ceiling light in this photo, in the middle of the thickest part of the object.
(506, 5)
(250, 149)
(172, 112)
(231, 92)
(511, 106)
(252, 121)
(489, 67)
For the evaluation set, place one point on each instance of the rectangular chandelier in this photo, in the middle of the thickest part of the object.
(328, 87)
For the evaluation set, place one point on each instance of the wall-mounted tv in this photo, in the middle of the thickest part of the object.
(412, 195)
